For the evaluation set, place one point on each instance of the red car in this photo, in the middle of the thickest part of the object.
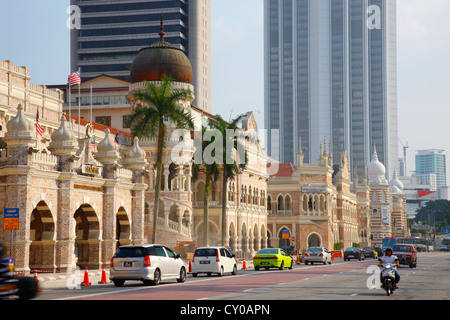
(406, 254)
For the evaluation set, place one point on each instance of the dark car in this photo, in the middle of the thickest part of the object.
(354, 253)
(406, 254)
(369, 252)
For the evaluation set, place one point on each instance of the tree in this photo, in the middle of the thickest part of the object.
(230, 165)
(153, 106)
(211, 172)
(436, 213)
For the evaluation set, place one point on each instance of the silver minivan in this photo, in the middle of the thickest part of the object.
(213, 260)
(150, 263)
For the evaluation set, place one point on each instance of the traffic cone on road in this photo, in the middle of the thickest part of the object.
(103, 280)
(298, 259)
(37, 280)
(190, 266)
(86, 278)
(244, 265)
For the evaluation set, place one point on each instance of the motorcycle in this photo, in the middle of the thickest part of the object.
(20, 288)
(388, 278)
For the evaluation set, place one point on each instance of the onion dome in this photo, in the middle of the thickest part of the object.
(63, 140)
(20, 129)
(135, 157)
(396, 185)
(376, 170)
(161, 58)
(107, 149)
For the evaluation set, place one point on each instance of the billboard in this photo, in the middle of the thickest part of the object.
(427, 195)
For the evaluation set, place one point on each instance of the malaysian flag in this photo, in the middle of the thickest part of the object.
(74, 79)
(39, 129)
(93, 143)
(116, 139)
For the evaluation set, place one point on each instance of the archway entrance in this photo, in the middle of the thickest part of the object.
(87, 242)
(314, 240)
(123, 230)
(42, 234)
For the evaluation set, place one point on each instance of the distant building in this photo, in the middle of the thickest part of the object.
(331, 72)
(431, 167)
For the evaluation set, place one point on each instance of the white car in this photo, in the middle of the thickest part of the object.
(150, 263)
(317, 254)
(213, 260)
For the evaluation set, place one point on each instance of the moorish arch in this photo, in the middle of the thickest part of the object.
(42, 237)
(87, 241)
(314, 240)
(123, 227)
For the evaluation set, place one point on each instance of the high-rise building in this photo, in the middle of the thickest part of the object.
(330, 73)
(112, 32)
(431, 167)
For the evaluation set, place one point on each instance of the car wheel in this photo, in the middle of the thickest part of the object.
(282, 265)
(157, 277)
(182, 275)
(220, 274)
(118, 283)
(256, 268)
(235, 270)
(292, 264)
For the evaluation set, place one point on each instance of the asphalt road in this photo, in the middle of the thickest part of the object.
(339, 281)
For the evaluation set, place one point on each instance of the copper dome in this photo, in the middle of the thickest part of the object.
(161, 58)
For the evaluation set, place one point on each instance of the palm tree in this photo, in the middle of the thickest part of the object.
(231, 166)
(211, 172)
(155, 105)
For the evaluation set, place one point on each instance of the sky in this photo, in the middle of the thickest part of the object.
(34, 34)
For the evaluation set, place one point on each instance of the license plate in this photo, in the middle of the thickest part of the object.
(204, 262)
(128, 264)
(350, 256)
(265, 263)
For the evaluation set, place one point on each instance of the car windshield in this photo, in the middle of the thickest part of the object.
(401, 248)
(351, 249)
(205, 252)
(368, 249)
(314, 249)
(268, 251)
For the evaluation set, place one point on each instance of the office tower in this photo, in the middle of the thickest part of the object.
(113, 32)
(431, 167)
(330, 73)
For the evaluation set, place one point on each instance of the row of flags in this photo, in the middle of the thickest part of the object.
(73, 79)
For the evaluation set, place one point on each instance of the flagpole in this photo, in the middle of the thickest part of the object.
(79, 105)
(70, 107)
(91, 105)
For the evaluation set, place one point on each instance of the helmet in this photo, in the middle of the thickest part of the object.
(390, 249)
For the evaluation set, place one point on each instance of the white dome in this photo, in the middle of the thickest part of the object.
(376, 170)
(135, 152)
(63, 133)
(396, 182)
(20, 122)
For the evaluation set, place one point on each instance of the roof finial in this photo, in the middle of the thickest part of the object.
(161, 32)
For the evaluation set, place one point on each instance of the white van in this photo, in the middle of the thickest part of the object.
(213, 260)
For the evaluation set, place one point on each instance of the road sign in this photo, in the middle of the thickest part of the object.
(293, 239)
(11, 219)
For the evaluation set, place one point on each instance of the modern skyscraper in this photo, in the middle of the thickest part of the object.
(330, 73)
(112, 32)
(431, 167)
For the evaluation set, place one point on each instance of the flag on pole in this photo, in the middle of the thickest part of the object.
(93, 142)
(74, 79)
(39, 129)
(116, 139)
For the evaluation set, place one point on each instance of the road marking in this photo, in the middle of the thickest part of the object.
(247, 290)
(355, 294)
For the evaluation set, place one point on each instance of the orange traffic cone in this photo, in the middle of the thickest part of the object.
(37, 280)
(190, 266)
(103, 280)
(86, 278)
(244, 265)
(298, 259)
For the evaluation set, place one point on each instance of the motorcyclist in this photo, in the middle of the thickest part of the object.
(390, 259)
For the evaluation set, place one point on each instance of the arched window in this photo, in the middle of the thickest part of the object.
(287, 203)
(280, 203)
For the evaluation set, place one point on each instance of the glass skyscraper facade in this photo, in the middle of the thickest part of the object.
(112, 33)
(431, 166)
(330, 73)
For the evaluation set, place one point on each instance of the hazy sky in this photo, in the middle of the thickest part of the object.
(34, 33)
